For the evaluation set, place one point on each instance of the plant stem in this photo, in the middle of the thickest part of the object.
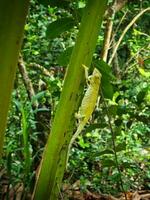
(125, 31)
(12, 19)
(54, 157)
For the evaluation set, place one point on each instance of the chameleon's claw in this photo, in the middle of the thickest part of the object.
(86, 72)
(79, 116)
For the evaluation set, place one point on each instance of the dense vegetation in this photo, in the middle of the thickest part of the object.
(112, 154)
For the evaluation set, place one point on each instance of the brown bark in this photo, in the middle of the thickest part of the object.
(115, 6)
(26, 80)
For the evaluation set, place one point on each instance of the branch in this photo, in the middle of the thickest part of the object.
(124, 32)
(115, 6)
(41, 68)
(26, 80)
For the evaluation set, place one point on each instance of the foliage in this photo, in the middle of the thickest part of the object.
(122, 114)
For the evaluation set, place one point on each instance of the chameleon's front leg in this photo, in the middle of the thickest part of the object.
(86, 71)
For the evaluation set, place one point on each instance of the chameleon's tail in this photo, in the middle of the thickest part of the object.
(78, 131)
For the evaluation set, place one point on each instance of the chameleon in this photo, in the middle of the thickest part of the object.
(88, 103)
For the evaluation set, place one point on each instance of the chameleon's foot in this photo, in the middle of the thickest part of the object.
(79, 117)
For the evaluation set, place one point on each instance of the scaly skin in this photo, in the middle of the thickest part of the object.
(88, 104)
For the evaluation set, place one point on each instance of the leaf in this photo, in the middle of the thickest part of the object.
(106, 151)
(143, 72)
(122, 109)
(18, 104)
(41, 110)
(38, 96)
(64, 57)
(78, 13)
(127, 165)
(104, 68)
(82, 143)
(141, 96)
(107, 76)
(107, 87)
(53, 3)
(59, 26)
(147, 97)
(112, 109)
(147, 61)
(95, 126)
(108, 163)
(121, 147)
(118, 122)
(117, 131)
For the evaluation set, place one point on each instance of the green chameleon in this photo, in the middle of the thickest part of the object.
(88, 103)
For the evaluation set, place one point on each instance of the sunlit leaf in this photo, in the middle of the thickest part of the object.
(143, 72)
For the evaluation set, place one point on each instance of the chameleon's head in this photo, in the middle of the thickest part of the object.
(95, 78)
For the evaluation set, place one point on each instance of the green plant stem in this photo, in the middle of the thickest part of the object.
(54, 158)
(114, 146)
(26, 149)
(12, 19)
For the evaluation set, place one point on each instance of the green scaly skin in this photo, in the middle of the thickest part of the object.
(88, 104)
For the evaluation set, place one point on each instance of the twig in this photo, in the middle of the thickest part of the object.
(114, 7)
(114, 145)
(26, 80)
(124, 32)
(117, 28)
(41, 68)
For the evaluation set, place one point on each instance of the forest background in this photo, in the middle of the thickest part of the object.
(112, 154)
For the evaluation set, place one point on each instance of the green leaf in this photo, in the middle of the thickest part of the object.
(64, 57)
(107, 87)
(121, 147)
(107, 76)
(95, 126)
(78, 13)
(147, 97)
(141, 96)
(106, 151)
(104, 68)
(147, 61)
(53, 3)
(122, 109)
(38, 96)
(108, 163)
(118, 122)
(18, 104)
(127, 165)
(117, 130)
(143, 72)
(83, 144)
(59, 26)
(112, 110)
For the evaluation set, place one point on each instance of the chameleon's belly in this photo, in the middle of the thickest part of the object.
(89, 101)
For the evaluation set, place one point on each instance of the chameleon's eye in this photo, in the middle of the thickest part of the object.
(97, 76)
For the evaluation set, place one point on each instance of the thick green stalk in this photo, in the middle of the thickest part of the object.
(54, 157)
(12, 19)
